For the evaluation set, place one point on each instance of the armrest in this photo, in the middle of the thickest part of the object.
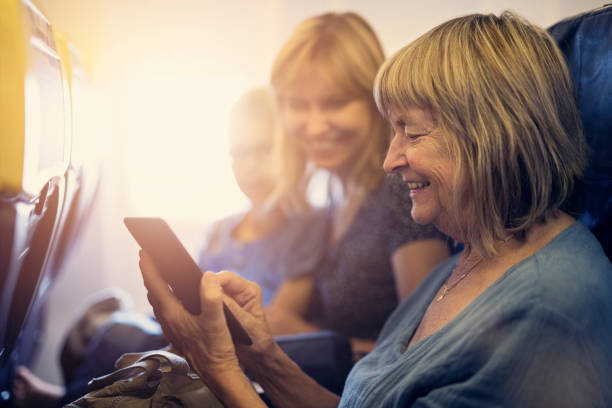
(323, 355)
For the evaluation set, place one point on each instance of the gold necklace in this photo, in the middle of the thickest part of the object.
(448, 288)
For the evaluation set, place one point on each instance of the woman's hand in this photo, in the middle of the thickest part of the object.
(205, 340)
(243, 298)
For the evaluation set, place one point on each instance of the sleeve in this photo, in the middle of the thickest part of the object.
(543, 362)
(306, 245)
(401, 227)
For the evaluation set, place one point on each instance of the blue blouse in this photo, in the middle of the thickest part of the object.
(292, 249)
(540, 336)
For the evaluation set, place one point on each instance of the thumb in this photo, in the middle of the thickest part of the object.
(211, 298)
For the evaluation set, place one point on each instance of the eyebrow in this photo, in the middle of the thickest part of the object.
(409, 120)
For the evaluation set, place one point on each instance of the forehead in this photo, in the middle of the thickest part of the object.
(317, 81)
(251, 133)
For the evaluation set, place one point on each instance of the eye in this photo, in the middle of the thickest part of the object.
(412, 136)
(401, 127)
(335, 103)
(411, 133)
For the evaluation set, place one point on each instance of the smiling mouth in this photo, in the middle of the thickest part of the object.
(418, 186)
(323, 144)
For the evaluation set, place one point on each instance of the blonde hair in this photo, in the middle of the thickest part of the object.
(501, 88)
(349, 53)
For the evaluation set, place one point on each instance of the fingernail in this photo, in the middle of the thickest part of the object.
(211, 280)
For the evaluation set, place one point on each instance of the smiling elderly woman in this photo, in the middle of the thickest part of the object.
(487, 136)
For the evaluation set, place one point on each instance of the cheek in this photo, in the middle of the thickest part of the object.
(292, 120)
(356, 118)
(436, 174)
(243, 173)
(237, 169)
(450, 189)
(267, 171)
(438, 168)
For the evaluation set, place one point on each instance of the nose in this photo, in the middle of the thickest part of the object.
(317, 122)
(395, 159)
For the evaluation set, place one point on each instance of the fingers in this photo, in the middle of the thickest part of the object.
(212, 316)
(240, 289)
(211, 296)
(231, 282)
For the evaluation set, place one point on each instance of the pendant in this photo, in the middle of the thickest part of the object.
(439, 298)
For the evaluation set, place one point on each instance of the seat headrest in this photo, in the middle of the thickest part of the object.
(586, 42)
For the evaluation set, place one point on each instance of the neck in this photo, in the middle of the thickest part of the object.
(258, 222)
(350, 187)
(511, 251)
(261, 216)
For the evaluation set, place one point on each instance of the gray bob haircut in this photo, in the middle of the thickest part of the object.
(500, 89)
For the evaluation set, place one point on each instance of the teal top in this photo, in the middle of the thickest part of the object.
(541, 335)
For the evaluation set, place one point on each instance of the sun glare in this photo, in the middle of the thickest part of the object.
(177, 162)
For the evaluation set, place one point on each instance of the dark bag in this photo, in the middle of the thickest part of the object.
(157, 378)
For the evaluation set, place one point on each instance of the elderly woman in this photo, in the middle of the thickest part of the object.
(487, 137)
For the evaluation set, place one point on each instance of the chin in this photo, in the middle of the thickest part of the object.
(420, 218)
(328, 164)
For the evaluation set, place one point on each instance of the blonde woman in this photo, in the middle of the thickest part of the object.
(323, 77)
(483, 115)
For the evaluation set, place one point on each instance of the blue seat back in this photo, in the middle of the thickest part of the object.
(586, 42)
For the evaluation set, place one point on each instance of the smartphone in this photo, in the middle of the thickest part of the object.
(177, 267)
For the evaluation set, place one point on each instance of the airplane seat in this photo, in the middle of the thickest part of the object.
(586, 42)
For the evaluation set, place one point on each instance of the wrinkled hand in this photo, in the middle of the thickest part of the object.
(205, 339)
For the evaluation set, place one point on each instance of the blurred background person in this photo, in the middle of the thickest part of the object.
(266, 243)
(376, 255)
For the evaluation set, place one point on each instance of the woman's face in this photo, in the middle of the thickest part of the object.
(252, 160)
(419, 153)
(330, 127)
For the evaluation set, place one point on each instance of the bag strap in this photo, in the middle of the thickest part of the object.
(131, 364)
(173, 362)
(123, 373)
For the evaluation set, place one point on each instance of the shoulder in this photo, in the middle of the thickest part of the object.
(303, 240)
(227, 224)
(306, 225)
(569, 279)
(218, 233)
(314, 217)
(559, 307)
